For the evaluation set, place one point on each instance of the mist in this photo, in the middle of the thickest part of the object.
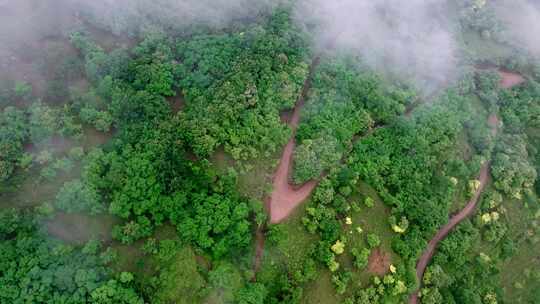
(411, 38)
(522, 21)
(131, 16)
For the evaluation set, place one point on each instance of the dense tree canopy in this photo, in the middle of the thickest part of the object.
(237, 87)
(165, 99)
(13, 133)
(34, 269)
(345, 100)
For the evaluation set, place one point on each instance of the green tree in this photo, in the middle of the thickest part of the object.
(76, 196)
(253, 293)
(373, 240)
(35, 268)
(13, 132)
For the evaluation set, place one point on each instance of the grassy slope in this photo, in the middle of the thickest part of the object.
(371, 220)
(527, 257)
(27, 189)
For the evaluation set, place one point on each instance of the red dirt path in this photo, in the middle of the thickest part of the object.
(285, 197)
(443, 232)
(508, 80)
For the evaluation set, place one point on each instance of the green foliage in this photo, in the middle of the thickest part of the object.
(35, 269)
(172, 274)
(236, 82)
(43, 122)
(487, 85)
(361, 257)
(253, 293)
(63, 164)
(482, 19)
(76, 196)
(154, 77)
(150, 182)
(133, 230)
(313, 156)
(344, 101)
(224, 280)
(76, 153)
(402, 162)
(45, 209)
(114, 292)
(25, 161)
(13, 132)
(456, 264)
(68, 126)
(48, 173)
(178, 280)
(22, 90)
(238, 106)
(275, 235)
(147, 178)
(96, 60)
(45, 157)
(340, 281)
(369, 202)
(520, 108)
(101, 120)
(216, 222)
(373, 240)
(512, 170)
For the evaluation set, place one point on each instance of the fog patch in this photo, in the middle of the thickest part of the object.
(132, 16)
(522, 21)
(409, 38)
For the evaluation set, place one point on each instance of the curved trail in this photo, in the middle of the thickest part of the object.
(443, 232)
(285, 197)
(508, 80)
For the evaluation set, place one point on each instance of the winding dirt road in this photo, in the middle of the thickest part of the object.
(285, 197)
(443, 232)
(508, 80)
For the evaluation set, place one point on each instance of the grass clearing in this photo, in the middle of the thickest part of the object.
(28, 189)
(518, 272)
(254, 176)
(289, 254)
(372, 220)
(292, 250)
(321, 291)
(466, 152)
(483, 49)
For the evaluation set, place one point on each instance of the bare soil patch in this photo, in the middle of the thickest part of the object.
(510, 79)
(177, 103)
(285, 197)
(379, 262)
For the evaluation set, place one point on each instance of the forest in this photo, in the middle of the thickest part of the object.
(236, 152)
